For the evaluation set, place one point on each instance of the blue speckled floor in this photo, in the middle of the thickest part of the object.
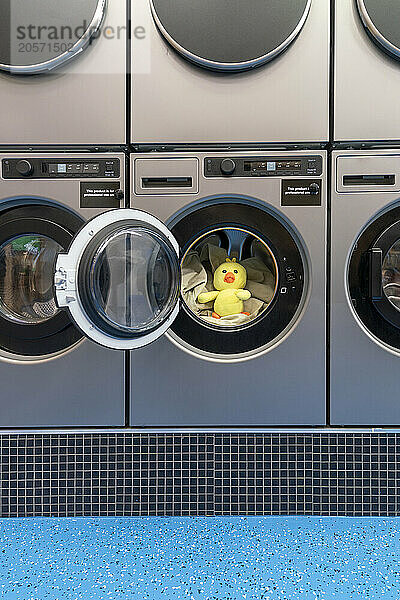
(200, 559)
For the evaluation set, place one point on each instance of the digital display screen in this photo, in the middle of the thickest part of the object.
(61, 168)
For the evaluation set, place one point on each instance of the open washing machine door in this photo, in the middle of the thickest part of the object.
(381, 20)
(120, 280)
(42, 35)
(230, 35)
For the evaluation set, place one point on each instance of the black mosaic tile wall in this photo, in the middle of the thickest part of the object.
(200, 474)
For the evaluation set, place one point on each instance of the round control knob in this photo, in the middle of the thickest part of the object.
(24, 167)
(228, 166)
(119, 195)
(314, 189)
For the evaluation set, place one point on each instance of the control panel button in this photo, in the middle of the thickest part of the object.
(91, 168)
(290, 274)
(228, 166)
(24, 168)
(75, 168)
(314, 189)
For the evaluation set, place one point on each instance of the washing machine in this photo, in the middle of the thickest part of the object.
(50, 375)
(63, 72)
(230, 71)
(365, 306)
(367, 70)
(133, 279)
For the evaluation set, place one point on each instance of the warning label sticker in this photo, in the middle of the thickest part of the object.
(301, 192)
(99, 194)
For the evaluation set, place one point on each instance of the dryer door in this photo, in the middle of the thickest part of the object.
(41, 35)
(120, 280)
(374, 278)
(230, 35)
(381, 20)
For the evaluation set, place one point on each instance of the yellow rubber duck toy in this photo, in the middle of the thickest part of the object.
(229, 281)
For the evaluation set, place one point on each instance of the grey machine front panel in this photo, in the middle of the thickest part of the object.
(286, 386)
(367, 71)
(79, 101)
(364, 374)
(284, 100)
(84, 386)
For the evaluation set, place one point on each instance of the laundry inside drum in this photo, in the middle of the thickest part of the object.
(27, 264)
(229, 277)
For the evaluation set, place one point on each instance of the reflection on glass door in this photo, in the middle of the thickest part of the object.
(132, 282)
(27, 265)
(391, 275)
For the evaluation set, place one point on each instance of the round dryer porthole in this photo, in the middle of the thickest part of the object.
(381, 19)
(373, 279)
(230, 35)
(258, 239)
(41, 35)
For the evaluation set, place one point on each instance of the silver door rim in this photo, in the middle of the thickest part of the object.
(70, 263)
(221, 66)
(374, 31)
(68, 55)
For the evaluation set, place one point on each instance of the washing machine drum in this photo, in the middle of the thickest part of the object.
(40, 35)
(381, 19)
(374, 278)
(31, 237)
(230, 35)
(127, 279)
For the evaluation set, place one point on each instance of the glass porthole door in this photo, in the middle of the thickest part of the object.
(120, 280)
(230, 35)
(32, 234)
(374, 278)
(381, 21)
(41, 35)
(385, 274)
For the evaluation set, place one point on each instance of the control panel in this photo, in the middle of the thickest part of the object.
(263, 167)
(59, 168)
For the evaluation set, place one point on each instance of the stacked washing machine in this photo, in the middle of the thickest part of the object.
(365, 308)
(62, 94)
(230, 115)
(227, 124)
